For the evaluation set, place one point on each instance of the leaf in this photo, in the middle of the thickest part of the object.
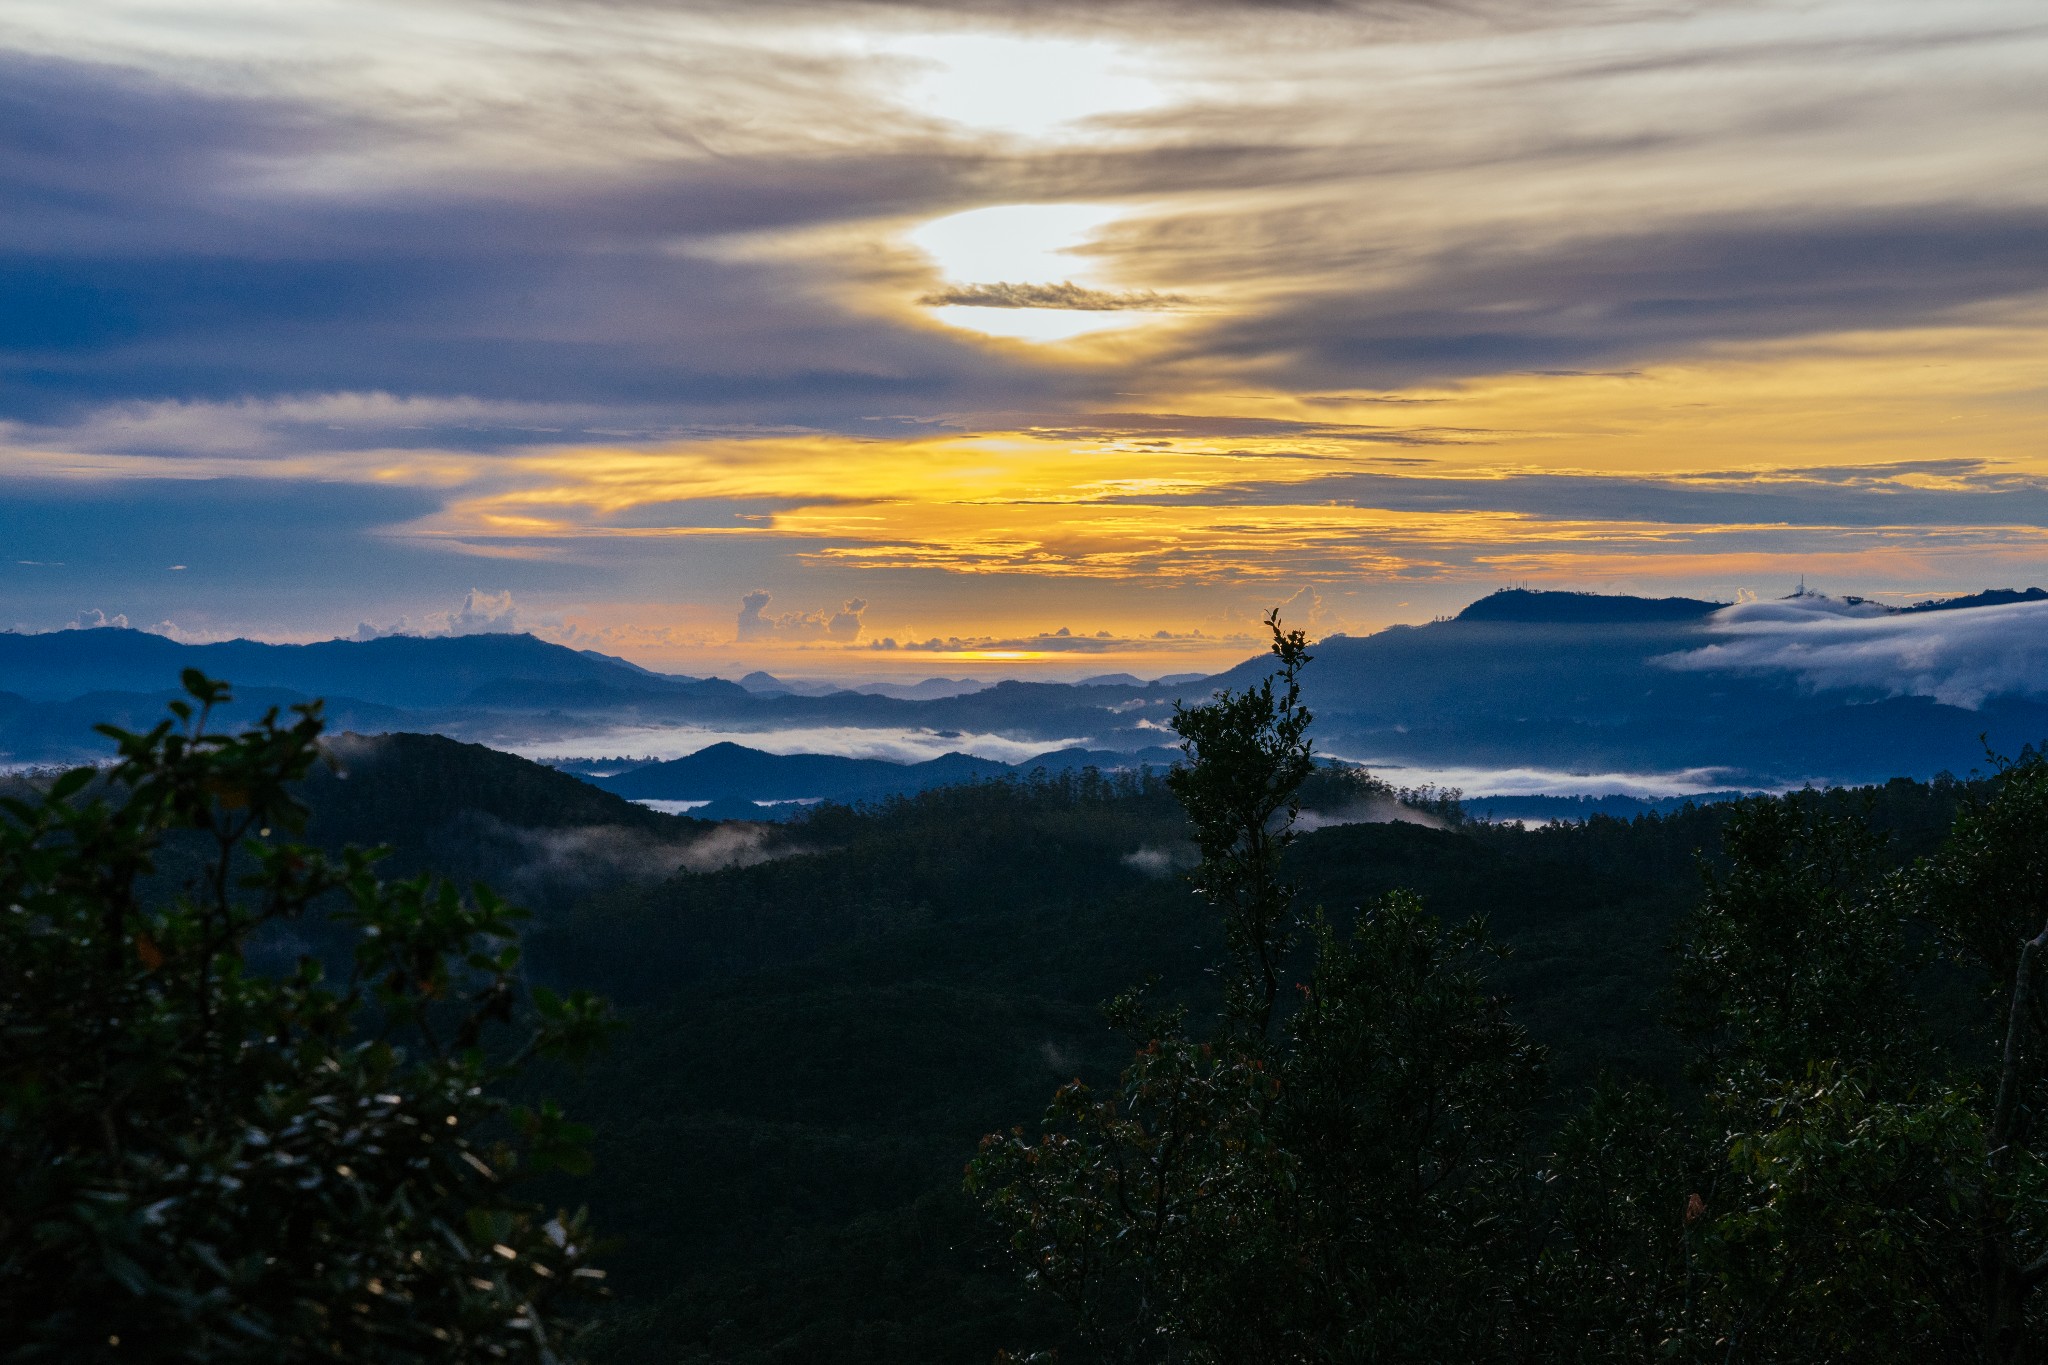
(70, 784)
(152, 957)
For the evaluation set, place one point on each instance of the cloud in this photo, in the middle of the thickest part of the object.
(1161, 863)
(257, 431)
(481, 613)
(168, 243)
(683, 220)
(1947, 492)
(1599, 297)
(1374, 810)
(1961, 658)
(1305, 610)
(1064, 295)
(599, 853)
(843, 625)
(96, 619)
(277, 556)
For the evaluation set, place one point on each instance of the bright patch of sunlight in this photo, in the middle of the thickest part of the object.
(1038, 324)
(1015, 243)
(1024, 244)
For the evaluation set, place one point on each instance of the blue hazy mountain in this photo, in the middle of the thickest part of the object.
(1579, 683)
(1556, 683)
(395, 670)
(1990, 597)
(726, 772)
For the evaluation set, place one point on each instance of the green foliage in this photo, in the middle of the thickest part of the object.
(1405, 1103)
(1616, 1277)
(1881, 1198)
(1847, 1228)
(815, 1041)
(1248, 753)
(1986, 889)
(210, 1163)
(1347, 1178)
(1337, 1181)
(1799, 950)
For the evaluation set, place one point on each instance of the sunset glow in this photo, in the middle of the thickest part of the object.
(1128, 322)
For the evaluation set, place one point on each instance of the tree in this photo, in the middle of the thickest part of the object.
(1334, 1175)
(1881, 1198)
(1247, 755)
(1799, 951)
(208, 1162)
(1616, 1278)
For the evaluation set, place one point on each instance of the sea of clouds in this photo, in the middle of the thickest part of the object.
(1961, 658)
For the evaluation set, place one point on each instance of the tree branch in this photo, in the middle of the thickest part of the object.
(2008, 1073)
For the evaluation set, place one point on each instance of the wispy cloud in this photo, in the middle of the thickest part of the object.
(1063, 295)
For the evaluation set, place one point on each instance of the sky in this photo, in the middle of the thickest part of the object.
(955, 337)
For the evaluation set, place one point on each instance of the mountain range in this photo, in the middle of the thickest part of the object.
(1522, 691)
(1751, 694)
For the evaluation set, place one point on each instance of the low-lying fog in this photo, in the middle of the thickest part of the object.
(1550, 782)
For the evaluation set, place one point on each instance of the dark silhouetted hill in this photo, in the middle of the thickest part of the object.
(728, 772)
(1584, 608)
(1990, 597)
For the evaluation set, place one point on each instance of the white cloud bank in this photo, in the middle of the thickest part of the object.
(481, 613)
(1962, 657)
(755, 624)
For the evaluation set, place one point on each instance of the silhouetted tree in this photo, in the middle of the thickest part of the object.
(1334, 1175)
(205, 1162)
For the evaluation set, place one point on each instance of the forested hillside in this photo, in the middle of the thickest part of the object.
(816, 1040)
(822, 1018)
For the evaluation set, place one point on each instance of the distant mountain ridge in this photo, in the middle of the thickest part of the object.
(1558, 684)
(1990, 597)
(728, 771)
(1561, 690)
(393, 670)
(1584, 608)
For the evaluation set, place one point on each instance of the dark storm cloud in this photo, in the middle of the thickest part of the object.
(157, 246)
(84, 147)
(1599, 299)
(141, 259)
